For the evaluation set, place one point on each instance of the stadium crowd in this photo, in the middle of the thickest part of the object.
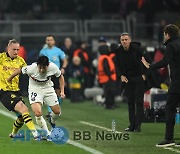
(83, 9)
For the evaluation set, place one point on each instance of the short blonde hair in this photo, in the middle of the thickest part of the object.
(13, 41)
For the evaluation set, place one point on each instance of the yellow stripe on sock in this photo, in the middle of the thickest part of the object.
(16, 126)
(28, 121)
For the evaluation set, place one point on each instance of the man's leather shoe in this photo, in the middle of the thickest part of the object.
(129, 129)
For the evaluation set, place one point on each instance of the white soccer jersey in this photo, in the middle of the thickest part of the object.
(36, 78)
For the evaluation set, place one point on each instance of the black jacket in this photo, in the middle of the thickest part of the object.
(129, 63)
(171, 57)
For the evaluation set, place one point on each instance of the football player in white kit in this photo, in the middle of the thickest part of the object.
(41, 89)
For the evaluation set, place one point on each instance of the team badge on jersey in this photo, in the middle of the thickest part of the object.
(13, 96)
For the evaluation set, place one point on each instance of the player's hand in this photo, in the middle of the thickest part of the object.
(9, 80)
(146, 64)
(62, 71)
(144, 77)
(62, 95)
(124, 79)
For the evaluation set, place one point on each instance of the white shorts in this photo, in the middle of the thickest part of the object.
(42, 94)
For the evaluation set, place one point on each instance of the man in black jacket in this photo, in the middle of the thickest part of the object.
(131, 71)
(171, 57)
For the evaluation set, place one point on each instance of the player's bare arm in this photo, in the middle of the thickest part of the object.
(16, 72)
(61, 81)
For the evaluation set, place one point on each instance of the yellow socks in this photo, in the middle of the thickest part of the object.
(16, 126)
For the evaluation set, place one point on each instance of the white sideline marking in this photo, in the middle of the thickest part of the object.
(81, 146)
(84, 147)
(94, 125)
(101, 127)
(172, 149)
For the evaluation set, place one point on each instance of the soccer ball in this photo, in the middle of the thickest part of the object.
(59, 135)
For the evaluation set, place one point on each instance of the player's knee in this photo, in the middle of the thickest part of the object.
(57, 112)
(38, 113)
(21, 107)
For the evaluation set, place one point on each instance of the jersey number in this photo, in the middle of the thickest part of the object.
(33, 96)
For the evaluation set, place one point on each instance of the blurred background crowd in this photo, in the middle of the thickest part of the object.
(81, 27)
(84, 9)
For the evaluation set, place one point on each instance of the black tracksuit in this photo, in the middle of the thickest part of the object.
(129, 64)
(171, 57)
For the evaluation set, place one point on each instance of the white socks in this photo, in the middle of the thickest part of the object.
(54, 117)
(42, 123)
(35, 133)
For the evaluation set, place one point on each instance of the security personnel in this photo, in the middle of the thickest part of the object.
(107, 76)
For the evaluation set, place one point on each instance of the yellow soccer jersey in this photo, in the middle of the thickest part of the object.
(7, 67)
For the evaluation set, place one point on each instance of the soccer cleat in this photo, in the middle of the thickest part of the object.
(177, 145)
(38, 138)
(166, 143)
(18, 135)
(49, 120)
(48, 138)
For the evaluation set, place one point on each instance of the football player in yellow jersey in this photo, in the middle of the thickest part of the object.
(9, 92)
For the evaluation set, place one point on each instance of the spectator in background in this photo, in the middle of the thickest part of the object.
(85, 57)
(68, 48)
(102, 41)
(131, 72)
(107, 76)
(76, 80)
(55, 55)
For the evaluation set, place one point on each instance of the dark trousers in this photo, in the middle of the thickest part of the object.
(134, 90)
(109, 93)
(172, 102)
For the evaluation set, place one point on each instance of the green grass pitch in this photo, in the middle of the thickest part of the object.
(72, 115)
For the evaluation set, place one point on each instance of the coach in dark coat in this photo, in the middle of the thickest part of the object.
(171, 57)
(131, 72)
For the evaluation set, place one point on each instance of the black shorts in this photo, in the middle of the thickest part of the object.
(10, 98)
(55, 80)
